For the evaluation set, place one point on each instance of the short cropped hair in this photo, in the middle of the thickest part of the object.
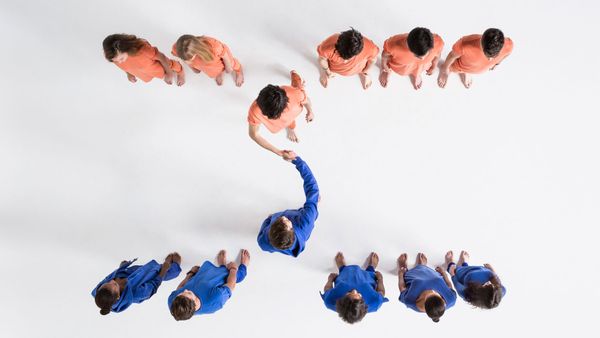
(105, 298)
(435, 307)
(183, 308)
(349, 44)
(280, 236)
(420, 41)
(492, 42)
(351, 310)
(272, 100)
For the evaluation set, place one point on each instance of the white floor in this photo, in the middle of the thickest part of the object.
(95, 170)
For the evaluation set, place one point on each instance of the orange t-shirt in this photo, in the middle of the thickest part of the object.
(296, 100)
(472, 59)
(403, 61)
(216, 66)
(352, 66)
(143, 64)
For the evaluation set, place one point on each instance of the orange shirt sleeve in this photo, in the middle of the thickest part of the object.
(254, 109)
(457, 49)
(372, 50)
(174, 50)
(148, 51)
(327, 47)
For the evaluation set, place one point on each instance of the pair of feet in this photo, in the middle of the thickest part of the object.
(372, 260)
(238, 78)
(403, 267)
(416, 81)
(173, 257)
(244, 257)
(465, 78)
(463, 258)
(365, 80)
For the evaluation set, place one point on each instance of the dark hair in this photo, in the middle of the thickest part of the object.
(435, 307)
(105, 298)
(181, 46)
(124, 43)
(272, 100)
(492, 42)
(351, 310)
(349, 43)
(420, 41)
(279, 236)
(483, 296)
(183, 308)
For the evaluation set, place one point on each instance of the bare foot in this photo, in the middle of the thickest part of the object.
(176, 258)
(222, 257)
(340, 260)
(297, 81)
(219, 79)
(449, 258)
(442, 79)
(180, 78)
(245, 257)
(373, 260)
(416, 81)
(239, 78)
(402, 261)
(383, 78)
(464, 257)
(323, 79)
(466, 80)
(421, 259)
(365, 80)
(291, 135)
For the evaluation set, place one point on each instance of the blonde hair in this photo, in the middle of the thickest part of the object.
(188, 46)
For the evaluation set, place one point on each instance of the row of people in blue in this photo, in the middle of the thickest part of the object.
(352, 292)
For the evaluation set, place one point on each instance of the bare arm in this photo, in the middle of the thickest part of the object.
(254, 135)
(385, 57)
(228, 63)
(330, 280)
(166, 64)
(380, 287)
(324, 65)
(441, 271)
(368, 65)
(309, 112)
(189, 276)
(401, 283)
(449, 61)
(232, 277)
(434, 63)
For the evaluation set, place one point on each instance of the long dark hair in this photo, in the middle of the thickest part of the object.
(484, 296)
(124, 43)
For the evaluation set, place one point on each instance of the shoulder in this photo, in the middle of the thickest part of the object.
(438, 42)
(294, 95)
(508, 46)
(327, 47)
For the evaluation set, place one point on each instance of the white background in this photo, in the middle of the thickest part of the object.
(94, 169)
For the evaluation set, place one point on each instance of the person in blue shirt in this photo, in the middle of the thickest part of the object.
(130, 284)
(354, 291)
(287, 231)
(205, 289)
(478, 285)
(423, 289)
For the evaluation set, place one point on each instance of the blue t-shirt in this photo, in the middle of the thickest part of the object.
(466, 274)
(142, 282)
(303, 219)
(352, 277)
(422, 278)
(208, 284)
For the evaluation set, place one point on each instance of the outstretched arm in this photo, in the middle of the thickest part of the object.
(449, 61)
(255, 135)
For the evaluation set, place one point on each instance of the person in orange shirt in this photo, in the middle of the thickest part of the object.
(409, 54)
(475, 54)
(208, 55)
(277, 108)
(140, 60)
(348, 53)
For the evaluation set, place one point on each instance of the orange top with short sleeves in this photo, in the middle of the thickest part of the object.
(403, 61)
(296, 100)
(352, 66)
(471, 57)
(216, 66)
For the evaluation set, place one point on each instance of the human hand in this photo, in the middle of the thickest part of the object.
(289, 155)
(195, 269)
(332, 276)
(310, 116)
(232, 266)
(440, 270)
(168, 77)
(131, 78)
(430, 70)
(378, 275)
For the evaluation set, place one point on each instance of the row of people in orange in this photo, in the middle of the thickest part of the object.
(139, 59)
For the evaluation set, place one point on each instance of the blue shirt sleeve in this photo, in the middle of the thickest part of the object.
(311, 190)
(147, 289)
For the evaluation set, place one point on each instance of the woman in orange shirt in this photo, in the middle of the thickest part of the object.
(208, 55)
(475, 54)
(139, 59)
